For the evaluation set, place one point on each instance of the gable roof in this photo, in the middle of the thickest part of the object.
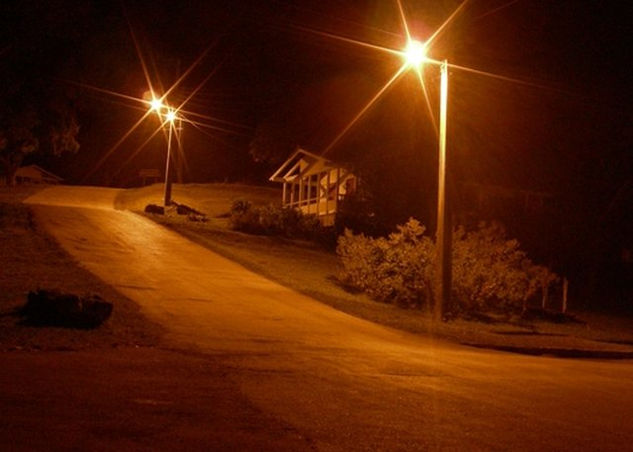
(302, 163)
(40, 170)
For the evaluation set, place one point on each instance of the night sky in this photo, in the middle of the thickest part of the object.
(271, 68)
(563, 126)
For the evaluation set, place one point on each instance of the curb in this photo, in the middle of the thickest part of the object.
(557, 352)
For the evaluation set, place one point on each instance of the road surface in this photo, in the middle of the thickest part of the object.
(339, 382)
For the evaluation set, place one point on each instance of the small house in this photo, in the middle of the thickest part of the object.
(149, 176)
(314, 185)
(33, 174)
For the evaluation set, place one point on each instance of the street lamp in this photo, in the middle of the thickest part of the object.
(156, 105)
(415, 56)
(415, 53)
(169, 117)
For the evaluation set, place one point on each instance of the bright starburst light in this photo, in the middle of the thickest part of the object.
(414, 55)
(155, 103)
(170, 116)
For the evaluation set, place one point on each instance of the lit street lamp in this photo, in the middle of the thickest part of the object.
(170, 116)
(415, 55)
(443, 239)
(156, 105)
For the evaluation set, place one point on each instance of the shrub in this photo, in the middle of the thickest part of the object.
(356, 213)
(489, 270)
(244, 218)
(277, 220)
(240, 206)
(396, 269)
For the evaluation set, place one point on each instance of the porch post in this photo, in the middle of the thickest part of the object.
(338, 184)
(308, 189)
(300, 191)
(318, 178)
(327, 194)
(283, 195)
(292, 193)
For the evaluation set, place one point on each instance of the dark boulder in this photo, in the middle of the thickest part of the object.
(195, 217)
(153, 208)
(192, 214)
(53, 308)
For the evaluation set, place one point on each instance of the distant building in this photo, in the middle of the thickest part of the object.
(314, 184)
(33, 174)
(149, 176)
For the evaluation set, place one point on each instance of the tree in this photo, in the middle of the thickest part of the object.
(273, 142)
(16, 140)
(40, 46)
(25, 127)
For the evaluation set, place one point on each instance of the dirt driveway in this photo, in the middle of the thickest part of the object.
(316, 378)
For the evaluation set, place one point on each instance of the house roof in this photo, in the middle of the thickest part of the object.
(40, 170)
(302, 163)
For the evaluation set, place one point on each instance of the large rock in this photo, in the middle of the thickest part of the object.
(53, 308)
(192, 214)
(153, 208)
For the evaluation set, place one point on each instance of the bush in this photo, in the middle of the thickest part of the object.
(489, 271)
(240, 207)
(395, 270)
(356, 213)
(244, 218)
(492, 272)
(277, 220)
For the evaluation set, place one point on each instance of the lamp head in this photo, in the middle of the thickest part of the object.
(170, 115)
(415, 53)
(156, 104)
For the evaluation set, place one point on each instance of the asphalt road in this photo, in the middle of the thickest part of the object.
(337, 382)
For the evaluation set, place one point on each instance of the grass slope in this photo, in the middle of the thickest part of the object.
(212, 199)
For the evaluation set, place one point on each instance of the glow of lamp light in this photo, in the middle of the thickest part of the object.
(170, 116)
(415, 53)
(156, 104)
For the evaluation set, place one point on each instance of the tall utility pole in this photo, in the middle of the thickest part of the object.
(443, 239)
(167, 197)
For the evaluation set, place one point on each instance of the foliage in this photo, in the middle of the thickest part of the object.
(17, 138)
(489, 270)
(240, 207)
(396, 269)
(272, 143)
(27, 125)
(276, 220)
(356, 213)
(37, 111)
